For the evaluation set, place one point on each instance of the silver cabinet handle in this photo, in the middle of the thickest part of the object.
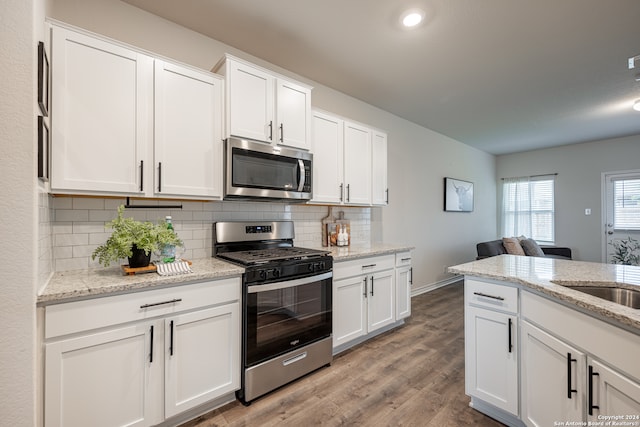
(366, 285)
(348, 192)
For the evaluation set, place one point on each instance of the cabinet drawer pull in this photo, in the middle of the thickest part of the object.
(366, 285)
(271, 130)
(369, 265)
(405, 259)
(371, 285)
(281, 132)
(160, 303)
(411, 276)
(141, 175)
(342, 192)
(569, 382)
(387, 191)
(348, 192)
(591, 375)
(480, 294)
(159, 177)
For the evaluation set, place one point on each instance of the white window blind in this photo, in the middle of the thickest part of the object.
(626, 204)
(528, 208)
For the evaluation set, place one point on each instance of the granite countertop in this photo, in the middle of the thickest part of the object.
(546, 275)
(66, 286)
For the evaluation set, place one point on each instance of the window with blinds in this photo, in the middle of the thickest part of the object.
(529, 208)
(626, 204)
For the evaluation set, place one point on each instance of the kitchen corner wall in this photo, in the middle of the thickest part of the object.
(78, 224)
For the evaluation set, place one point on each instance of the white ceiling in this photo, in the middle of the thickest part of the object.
(500, 75)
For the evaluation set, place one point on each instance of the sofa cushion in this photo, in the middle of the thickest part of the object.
(512, 245)
(490, 248)
(531, 247)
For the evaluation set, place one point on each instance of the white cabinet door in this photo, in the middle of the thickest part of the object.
(357, 164)
(379, 188)
(110, 378)
(203, 356)
(250, 102)
(403, 292)
(381, 301)
(293, 113)
(188, 132)
(491, 362)
(349, 310)
(553, 379)
(328, 143)
(611, 393)
(101, 108)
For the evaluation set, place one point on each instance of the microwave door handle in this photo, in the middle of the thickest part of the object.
(301, 173)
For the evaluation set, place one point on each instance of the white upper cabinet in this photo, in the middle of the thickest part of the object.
(379, 188)
(264, 106)
(128, 124)
(328, 146)
(188, 145)
(101, 115)
(357, 164)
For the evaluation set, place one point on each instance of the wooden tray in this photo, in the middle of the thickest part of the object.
(151, 268)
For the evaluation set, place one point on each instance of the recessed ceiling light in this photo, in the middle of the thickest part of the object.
(412, 17)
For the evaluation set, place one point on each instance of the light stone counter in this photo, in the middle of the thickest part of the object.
(346, 253)
(539, 274)
(68, 286)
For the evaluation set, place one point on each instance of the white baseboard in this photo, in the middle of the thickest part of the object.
(433, 286)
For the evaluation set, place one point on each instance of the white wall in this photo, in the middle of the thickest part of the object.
(419, 159)
(20, 29)
(578, 186)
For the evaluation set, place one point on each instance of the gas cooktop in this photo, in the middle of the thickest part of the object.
(262, 256)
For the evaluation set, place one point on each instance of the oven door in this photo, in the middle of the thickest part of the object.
(286, 315)
(260, 170)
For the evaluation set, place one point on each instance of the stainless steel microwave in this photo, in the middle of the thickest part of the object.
(256, 170)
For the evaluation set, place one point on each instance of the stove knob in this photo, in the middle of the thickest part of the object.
(322, 265)
(276, 273)
(263, 274)
(310, 266)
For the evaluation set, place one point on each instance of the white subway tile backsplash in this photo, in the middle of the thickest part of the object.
(77, 225)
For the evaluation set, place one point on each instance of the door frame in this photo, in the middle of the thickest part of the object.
(603, 224)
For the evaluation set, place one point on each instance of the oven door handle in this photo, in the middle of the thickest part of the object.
(289, 283)
(302, 175)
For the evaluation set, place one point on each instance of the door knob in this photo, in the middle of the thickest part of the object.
(609, 232)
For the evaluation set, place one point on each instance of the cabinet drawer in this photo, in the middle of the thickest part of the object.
(343, 269)
(63, 319)
(403, 258)
(491, 295)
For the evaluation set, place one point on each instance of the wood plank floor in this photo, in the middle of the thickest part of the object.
(412, 376)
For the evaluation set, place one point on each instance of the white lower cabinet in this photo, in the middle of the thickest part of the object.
(141, 358)
(491, 344)
(404, 279)
(364, 292)
(553, 379)
(611, 393)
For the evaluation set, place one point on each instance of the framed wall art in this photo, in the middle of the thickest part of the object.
(458, 195)
(43, 149)
(43, 80)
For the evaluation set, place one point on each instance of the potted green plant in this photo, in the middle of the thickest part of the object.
(135, 240)
(626, 252)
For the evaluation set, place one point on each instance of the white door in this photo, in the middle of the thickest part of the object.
(293, 114)
(612, 393)
(491, 362)
(111, 378)
(403, 292)
(357, 164)
(202, 357)
(328, 143)
(379, 188)
(381, 300)
(622, 213)
(349, 310)
(250, 102)
(553, 379)
(102, 100)
(188, 132)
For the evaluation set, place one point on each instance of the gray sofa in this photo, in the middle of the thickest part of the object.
(495, 247)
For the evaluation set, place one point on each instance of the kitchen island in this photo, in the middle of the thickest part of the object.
(540, 352)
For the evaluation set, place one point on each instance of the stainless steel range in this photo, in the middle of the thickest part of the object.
(287, 297)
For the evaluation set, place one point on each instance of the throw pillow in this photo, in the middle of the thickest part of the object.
(531, 247)
(512, 245)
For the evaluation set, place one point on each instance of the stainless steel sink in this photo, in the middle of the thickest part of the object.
(623, 296)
